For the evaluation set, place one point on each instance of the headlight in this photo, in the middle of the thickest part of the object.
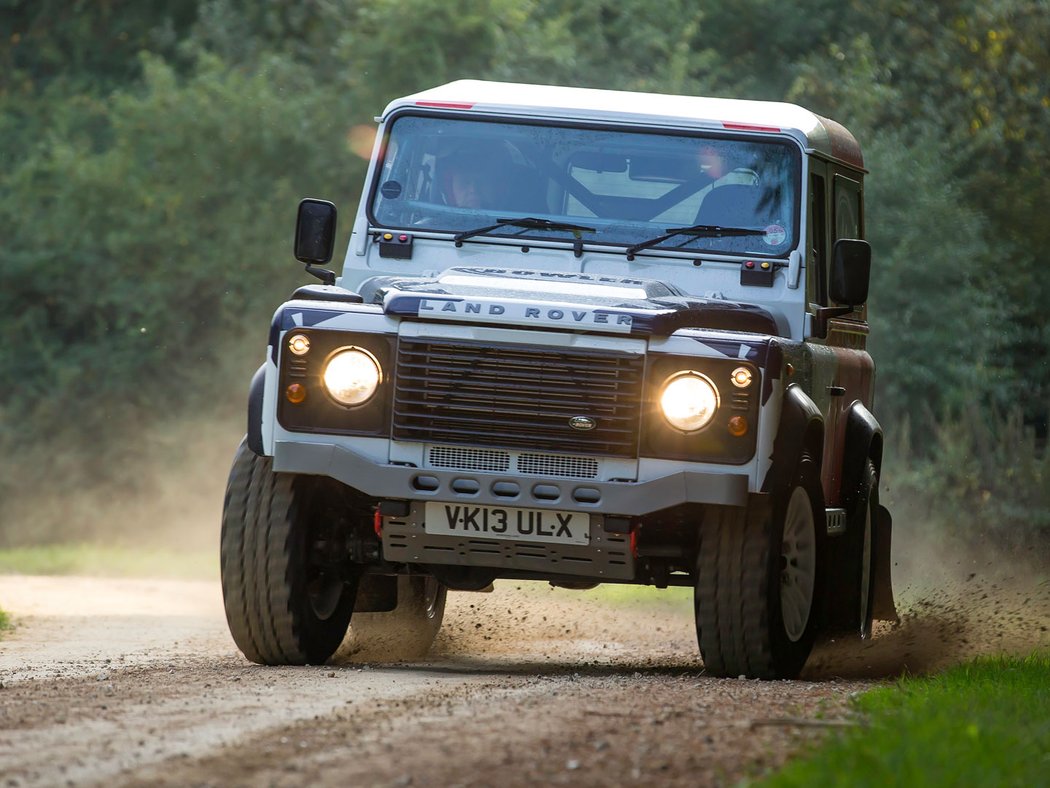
(689, 401)
(352, 376)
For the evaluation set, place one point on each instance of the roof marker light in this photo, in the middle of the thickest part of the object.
(444, 104)
(748, 127)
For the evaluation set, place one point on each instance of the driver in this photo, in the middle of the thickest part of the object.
(467, 182)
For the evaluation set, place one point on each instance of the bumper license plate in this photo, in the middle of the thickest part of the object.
(520, 525)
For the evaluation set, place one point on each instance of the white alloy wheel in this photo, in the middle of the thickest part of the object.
(798, 564)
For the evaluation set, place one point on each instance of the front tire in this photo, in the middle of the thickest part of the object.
(287, 594)
(759, 583)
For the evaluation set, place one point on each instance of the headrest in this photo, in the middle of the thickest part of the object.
(735, 205)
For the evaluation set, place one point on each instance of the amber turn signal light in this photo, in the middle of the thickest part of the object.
(295, 393)
(738, 426)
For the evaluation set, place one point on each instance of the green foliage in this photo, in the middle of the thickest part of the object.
(393, 47)
(761, 46)
(5, 621)
(986, 723)
(84, 45)
(152, 156)
(135, 259)
(981, 476)
(930, 252)
(959, 88)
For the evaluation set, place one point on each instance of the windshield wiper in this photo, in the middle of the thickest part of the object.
(528, 223)
(697, 231)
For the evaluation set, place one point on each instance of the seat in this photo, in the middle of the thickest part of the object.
(735, 205)
(525, 190)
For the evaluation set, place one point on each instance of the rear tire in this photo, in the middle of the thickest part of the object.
(760, 581)
(287, 593)
(407, 631)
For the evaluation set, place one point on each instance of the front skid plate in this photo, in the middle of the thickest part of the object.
(608, 556)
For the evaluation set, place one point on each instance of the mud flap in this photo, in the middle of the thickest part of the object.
(376, 594)
(883, 607)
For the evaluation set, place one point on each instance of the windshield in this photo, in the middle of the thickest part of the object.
(622, 187)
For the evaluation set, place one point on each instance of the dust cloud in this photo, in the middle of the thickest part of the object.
(955, 601)
(161, 489)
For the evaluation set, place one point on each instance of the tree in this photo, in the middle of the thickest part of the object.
(965, 82)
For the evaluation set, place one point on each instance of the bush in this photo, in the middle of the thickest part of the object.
(983, 478)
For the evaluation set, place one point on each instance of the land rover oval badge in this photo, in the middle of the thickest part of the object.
(582, 423)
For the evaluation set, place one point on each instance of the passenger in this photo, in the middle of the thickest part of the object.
(722, 170)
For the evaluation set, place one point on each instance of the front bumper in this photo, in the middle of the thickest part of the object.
(391, 481)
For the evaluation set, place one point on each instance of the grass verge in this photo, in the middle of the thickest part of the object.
(5, 622)
(986, 723)
(109, 561)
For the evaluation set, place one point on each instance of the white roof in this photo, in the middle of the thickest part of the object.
(816, 133)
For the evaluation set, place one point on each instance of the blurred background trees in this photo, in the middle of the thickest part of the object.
(153, 153)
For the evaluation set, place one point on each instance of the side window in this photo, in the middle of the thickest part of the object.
(816, 278)
(848, 202)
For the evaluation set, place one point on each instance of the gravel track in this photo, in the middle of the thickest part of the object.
(137, 682)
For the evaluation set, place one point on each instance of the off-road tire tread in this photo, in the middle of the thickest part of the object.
(736, 563)
(231, 556)
(279, 577)
(733, 583)
(706, 607)
(264, 590)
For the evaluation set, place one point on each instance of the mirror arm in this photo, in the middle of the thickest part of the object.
(327, 277)
(825, 313)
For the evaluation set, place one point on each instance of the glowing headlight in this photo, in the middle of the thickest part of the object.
(352, 376)
(689, 401)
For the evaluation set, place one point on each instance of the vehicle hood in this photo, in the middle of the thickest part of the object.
(577, 301)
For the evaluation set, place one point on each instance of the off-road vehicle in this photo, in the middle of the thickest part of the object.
(581, 337)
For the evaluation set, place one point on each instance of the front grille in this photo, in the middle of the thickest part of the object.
(467, 458)
(517, 396)
(558, 465)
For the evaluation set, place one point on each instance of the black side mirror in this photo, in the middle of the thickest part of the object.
(850, 271)
(315, 231)
(315, 237)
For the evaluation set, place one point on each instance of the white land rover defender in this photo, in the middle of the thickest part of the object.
(580, 336)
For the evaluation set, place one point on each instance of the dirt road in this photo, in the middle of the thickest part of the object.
(137, 682)
(133, 682)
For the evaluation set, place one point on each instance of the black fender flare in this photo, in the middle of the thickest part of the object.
(801, 430)
(255, 410)
(863, 440)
